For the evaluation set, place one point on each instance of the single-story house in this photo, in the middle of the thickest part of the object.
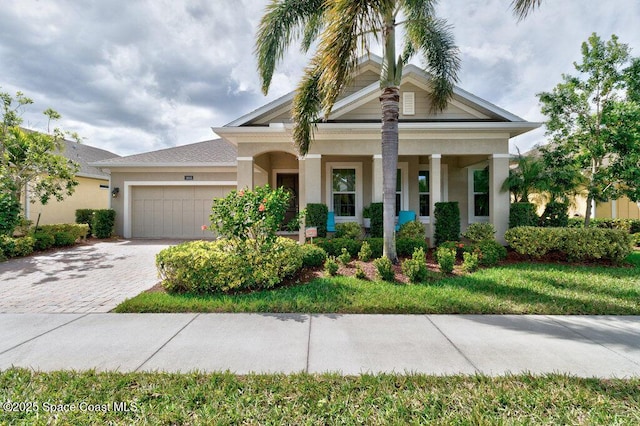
(460, 154)
(622, 208)
(92, 191)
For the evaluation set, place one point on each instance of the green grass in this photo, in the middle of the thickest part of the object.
(526, 288)
(222, 398)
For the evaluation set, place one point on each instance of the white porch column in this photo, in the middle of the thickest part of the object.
(435, 192)
(310, 182)
(376, 194)
(499, 201)
(245, 172)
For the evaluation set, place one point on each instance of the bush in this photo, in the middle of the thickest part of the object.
(446, 259)
(359, 274)
(447, 225)
(413, 229)
(576, 244)
(489, 252)
(365, 252)
(416, 268)
(406, 246)
(63, 239)
(23, 246)
(477, 232)
(103, 223)
(377, 225)
(317, 216)
(206, 267)
(556, 215)
(77, 230)
(42, 240)
(344, 257)
(376, 245)
(634, 228)
(312, 256)
(351, 230)
(384, 269)
(7, 245)
(470, 262)
(9, 211)
(456, 246)
(623, 224)
(331, 266)
(636, 238)
(334, 246)
(85, 216)
(522, 214)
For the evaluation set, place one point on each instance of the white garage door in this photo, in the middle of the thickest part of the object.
(173, 211)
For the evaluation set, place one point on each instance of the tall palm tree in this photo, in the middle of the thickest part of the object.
(344, 31)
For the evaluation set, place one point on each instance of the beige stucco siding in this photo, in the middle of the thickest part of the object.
(623, 208)
(87, 195)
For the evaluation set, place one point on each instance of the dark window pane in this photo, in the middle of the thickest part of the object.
(424, 205)
(423, 181)
(399, 181)
(481, 204)
(481, 181)
(344, 204)
(344, 180)
(397, 204)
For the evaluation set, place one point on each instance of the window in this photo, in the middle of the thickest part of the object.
(481, 192)
(344, 192)
(423, 192)
(398, 192)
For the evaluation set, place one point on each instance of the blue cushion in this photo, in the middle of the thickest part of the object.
(405, 216)
(331, 222)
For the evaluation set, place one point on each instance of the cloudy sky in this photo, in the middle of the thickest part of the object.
(137, 75)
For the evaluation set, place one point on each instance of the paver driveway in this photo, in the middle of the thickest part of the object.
(85, 278)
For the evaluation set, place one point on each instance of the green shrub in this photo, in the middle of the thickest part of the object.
(331, 266)
(344, 257)
(446, 259)
(456, 246)
(63, 239)
(85, 216)
(77, 230)
(406, 246)
(42, 240)
(623, 224)
(312, 256)
(384, 269)
(103, 223)
(316, 215)
(573, 222)
(334, 246)
(412, 229)
(23, 246)
(7, 245)
(634, 228)
(206, 267)
(365, 252)
(359, 274)
(489, 252)
(9, 210)
(636, 238)
(351, 230)
(522, 214)
(447, 225)
(477, 232)
(556, 215)
(578, 244)
(377, 224)
(376, 245)
(416, 268)
(470, 262)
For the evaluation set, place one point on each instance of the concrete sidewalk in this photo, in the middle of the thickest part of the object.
(349, 344)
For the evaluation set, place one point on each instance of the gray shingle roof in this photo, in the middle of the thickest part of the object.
(85, 154)
(216, 152)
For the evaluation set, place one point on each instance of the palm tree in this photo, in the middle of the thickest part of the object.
(344, 31)
(526, 178)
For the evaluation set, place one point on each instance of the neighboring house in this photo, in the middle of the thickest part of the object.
(92, 191)
(622, 208)
(442, 157)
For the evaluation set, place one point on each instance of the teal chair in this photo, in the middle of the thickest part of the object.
(405, 216)
(331, 222)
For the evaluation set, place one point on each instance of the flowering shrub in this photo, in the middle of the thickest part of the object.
(250, 215)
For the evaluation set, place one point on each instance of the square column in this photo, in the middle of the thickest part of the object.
(499, 200)
(245, 172)
(435, 192)
(376, 194)
(310, 183)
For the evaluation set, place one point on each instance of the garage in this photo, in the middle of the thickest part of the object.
(173, 211)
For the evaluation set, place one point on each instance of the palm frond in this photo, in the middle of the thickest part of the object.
(283, 22)
(434, 39)
(306, 106)
(521, 8)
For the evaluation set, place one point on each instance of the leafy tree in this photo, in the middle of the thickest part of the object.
(577, 111)
(31, 159)
(344, 30)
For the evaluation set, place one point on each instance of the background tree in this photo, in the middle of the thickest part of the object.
(344, 30)
(32, 158)
(525, 178)
(577, 109)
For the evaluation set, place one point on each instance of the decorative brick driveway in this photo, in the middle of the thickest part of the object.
(85, 278)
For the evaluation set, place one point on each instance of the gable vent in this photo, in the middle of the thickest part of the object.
(409, 103)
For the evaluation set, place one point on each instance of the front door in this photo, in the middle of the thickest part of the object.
(289, 181)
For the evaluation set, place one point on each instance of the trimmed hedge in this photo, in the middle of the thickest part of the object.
(377, 224)
(412, 229)
(447, 216)
(349, 230)
(555, 215)
(85, 216)
(577, 244)
(63, 239)
(317, 216)
(334, 246)
(206, 267)
(313, 256)
(103, 223)
(77, 230)
(523, 214)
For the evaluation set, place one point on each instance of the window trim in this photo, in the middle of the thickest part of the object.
(444, 187)
(359, 191)
(404, 188)
(471, 194)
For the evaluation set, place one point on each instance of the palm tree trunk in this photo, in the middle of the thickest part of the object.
(390, 100)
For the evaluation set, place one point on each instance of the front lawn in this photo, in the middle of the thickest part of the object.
(69, 397)
(521, 288)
